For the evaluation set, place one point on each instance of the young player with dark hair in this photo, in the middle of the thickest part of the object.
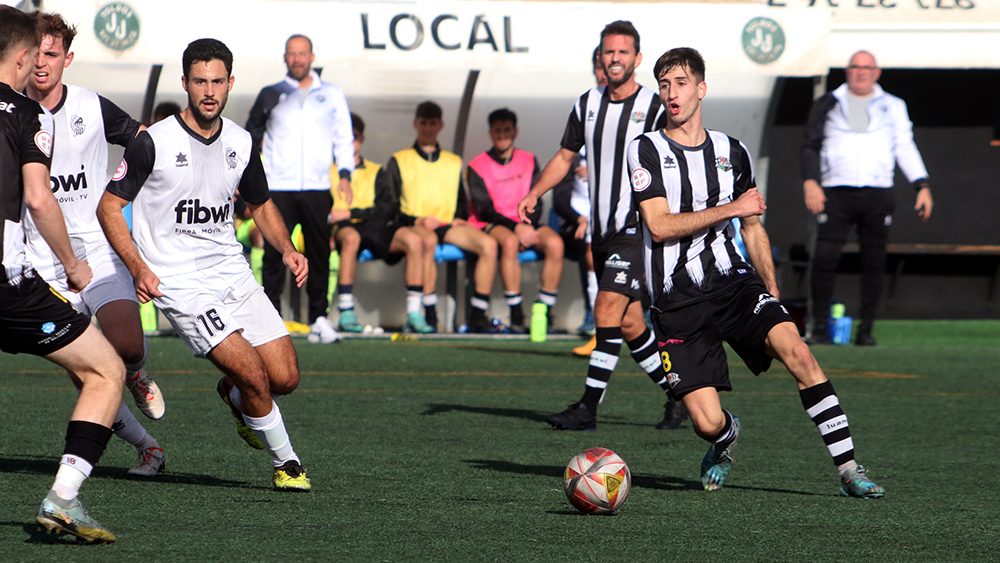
(497, 180)
(34, 318)
(181, 175)
(604, 120)
(85, 123)
(689, 183)
(427, 183)
(369, 222)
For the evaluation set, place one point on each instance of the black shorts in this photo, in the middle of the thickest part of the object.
(619, 265)
(35, 319)
(441, 232)
(376, 238)
(690, 337)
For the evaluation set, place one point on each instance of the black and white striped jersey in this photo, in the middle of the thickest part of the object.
(25, 137)
(692, 268)
(606, 127)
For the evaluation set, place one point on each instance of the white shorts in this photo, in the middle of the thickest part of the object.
(205, 307)
(111, 282)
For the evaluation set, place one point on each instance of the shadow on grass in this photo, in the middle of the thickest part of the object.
(435, 409)
(640, 480)
(518, 351)
(49, 466)
(535, 416)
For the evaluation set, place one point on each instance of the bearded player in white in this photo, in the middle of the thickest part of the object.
(186, 257)
(84, 125)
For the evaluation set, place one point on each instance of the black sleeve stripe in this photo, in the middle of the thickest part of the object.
(119, 127)
(253, 184)
(137, 164)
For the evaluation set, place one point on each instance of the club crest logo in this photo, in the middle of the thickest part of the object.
(116, 26)
(231, 157)
(77, 125)
(763, 40)
(638, 116)
(723, 163)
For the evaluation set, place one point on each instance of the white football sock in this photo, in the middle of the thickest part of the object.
(270, 428)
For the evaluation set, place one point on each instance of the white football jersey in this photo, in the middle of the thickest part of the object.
(84, 125)
(182, 185)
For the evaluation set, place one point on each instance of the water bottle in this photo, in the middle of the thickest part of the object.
(840, 325)
(539, 321)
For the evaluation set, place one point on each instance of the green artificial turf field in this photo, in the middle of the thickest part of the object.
(438, 450)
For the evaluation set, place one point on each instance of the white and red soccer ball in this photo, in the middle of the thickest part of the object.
(597, 481)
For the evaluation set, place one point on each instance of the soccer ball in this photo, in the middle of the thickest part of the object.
(597, 481)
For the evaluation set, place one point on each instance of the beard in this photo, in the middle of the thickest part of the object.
(205, 121)
(612, 83)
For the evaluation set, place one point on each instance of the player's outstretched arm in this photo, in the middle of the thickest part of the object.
(109, 214)
(551, 175)
(666, 226)
(48, 217)
(758, 246)
(272, 226)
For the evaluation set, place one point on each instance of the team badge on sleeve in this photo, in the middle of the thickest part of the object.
(640, 179)
(120, 171)
(43, 140)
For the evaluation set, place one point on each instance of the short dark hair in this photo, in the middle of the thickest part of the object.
(164, 110)
(357, 124)
(207, 50)
(621, 27)
(56, 26)
(597, 55)
(16, 28)
(684, 57)
(299, 36)
(502, 114)
(428, 110)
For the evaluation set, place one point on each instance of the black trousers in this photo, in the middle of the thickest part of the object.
(311, 210)
(870, 210)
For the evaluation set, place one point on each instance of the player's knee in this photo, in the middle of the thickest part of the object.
(488, 248)
(284, 382)
(350, 240)
(554, 250)
(707, 424)
(509, 247)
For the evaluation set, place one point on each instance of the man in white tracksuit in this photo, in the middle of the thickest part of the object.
(854, 137)
(301, 125)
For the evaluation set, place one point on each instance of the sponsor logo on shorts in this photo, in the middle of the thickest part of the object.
(673, 378)
(762, 300)
(621, 277)
(615, 261)
(635, 284)
(640, 179)
(49, 327)
(663, 343)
